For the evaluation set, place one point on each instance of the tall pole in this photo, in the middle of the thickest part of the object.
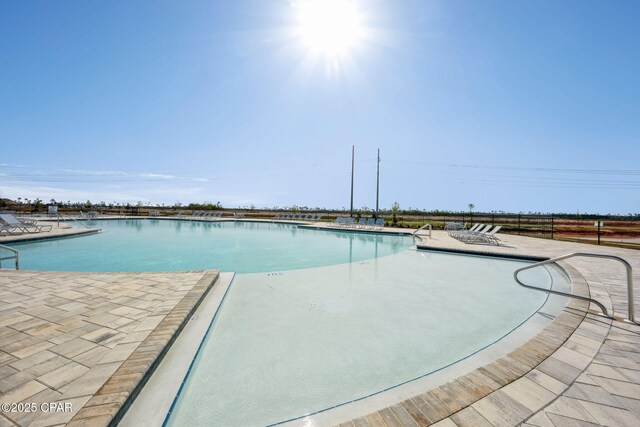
(353, 153)
(378, 184)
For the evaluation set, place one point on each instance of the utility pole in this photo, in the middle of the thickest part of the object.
(353, 153)
(378, 184)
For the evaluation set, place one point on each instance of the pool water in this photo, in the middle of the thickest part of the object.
(173, 245)
(285, 346)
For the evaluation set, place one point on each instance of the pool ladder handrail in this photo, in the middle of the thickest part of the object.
(415, 233)
(626, 264)
(60, 217)
(16, 256)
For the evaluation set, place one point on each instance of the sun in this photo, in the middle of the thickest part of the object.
(331, 28)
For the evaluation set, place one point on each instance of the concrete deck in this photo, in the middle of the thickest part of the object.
(88, 340)
(581, 370)
(57, 231)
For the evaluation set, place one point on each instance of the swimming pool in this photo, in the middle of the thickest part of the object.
(173, 245)
(315, 319)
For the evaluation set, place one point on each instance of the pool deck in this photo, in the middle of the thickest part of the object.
(581, 370)
(89, 340)
(57, 231)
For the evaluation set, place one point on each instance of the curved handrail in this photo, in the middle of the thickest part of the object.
(16, 256)
(64, 219)
(589, 255)
(422, 228)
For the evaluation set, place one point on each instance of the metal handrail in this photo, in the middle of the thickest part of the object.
(589, 255)
(16, 256)
(60, 217)
(422, 228)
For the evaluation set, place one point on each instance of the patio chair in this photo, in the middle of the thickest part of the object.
(371, 223)
(489, 238)
(9, 230)
(474, 235)
(379, 223)
(461, 234)
(453, 226)
(349, 222)
(362, 223)
(14, 222)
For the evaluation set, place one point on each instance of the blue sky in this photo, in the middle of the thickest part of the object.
(514, 106)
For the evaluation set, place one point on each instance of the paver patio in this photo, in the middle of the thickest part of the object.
(87, 339)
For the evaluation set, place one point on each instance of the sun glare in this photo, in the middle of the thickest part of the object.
(331, 28)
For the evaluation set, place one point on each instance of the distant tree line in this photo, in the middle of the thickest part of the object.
(394, 211)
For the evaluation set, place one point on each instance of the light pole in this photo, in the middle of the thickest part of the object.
(353, 153)
(378, 183)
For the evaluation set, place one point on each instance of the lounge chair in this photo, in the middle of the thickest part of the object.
(453, 226)
(466, 236)
(461, 234)
(362, 223)
(371, 222)
(489, 237)
(379, 223)
(14, 222)
(473, 229)
(9, 230)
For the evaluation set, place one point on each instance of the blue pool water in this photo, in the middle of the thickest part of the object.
(169, 245)
(304, 341)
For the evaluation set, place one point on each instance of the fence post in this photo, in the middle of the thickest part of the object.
(551, 227)
(493, 219)
(598, 231)
(519, 216)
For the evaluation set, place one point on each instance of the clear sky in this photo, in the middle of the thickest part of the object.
(510, 105)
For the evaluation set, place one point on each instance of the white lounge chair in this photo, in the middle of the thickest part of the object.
(338, 222)
(15, 223)
(9, 230)
(489, 237)
(474, 235)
